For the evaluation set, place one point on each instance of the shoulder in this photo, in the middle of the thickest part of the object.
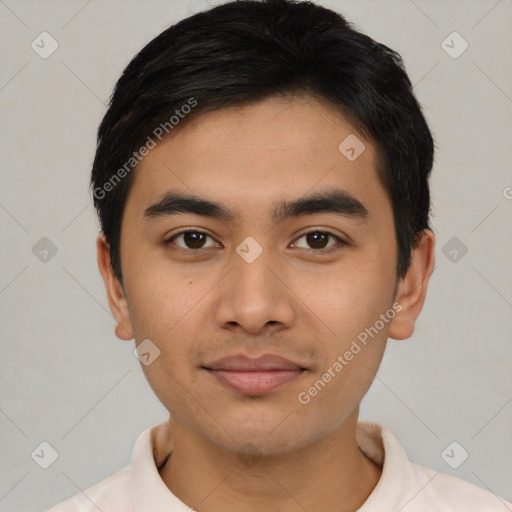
(108, 495)
(447, 493)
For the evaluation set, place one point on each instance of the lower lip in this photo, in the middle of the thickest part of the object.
(255, 383)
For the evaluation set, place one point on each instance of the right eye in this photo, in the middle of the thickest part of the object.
(191, 240)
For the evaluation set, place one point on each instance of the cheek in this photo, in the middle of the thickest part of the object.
(350, 305)
(351, 356)
(158, 300)
(172, 373)
(350, 298)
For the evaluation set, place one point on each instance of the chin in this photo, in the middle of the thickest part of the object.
(267, 442)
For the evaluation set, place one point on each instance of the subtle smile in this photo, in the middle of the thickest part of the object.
(254, 376)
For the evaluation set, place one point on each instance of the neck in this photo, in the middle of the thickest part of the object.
(331, 474)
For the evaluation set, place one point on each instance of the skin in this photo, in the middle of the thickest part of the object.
(293, 300)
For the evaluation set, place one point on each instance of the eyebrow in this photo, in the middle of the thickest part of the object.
(337, 201)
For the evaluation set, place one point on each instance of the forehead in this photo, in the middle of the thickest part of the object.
(272, 150)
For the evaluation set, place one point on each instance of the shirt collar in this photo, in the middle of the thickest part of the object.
(150, 494)
(381, 446)
(148, 491)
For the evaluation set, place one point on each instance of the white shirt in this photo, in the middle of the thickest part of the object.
(403, 485)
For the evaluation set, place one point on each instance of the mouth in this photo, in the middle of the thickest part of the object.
(254, 376)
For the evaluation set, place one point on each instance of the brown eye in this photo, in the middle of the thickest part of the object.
(192, 240)
(318, 240)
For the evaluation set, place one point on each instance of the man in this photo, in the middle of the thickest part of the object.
(261, 179)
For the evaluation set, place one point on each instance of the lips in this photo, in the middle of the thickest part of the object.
(254, 376)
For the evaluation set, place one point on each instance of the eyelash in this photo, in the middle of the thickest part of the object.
(340, 241)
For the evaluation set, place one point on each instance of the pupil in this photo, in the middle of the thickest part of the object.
(313, 238)
(193, 239)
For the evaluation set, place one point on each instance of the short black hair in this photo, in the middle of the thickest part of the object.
(241, 52)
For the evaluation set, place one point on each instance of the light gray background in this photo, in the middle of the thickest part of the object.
(66, 379)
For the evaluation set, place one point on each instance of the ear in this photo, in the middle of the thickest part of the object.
(115, 293)
(412, 288)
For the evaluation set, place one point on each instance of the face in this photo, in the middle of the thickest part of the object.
(260, 314)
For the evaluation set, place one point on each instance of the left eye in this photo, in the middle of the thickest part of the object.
(319, 239)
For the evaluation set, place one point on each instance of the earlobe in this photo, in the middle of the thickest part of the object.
(115, 293)
(122, 333)
(412, 289)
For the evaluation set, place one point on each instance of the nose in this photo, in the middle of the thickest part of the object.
(255, 297)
